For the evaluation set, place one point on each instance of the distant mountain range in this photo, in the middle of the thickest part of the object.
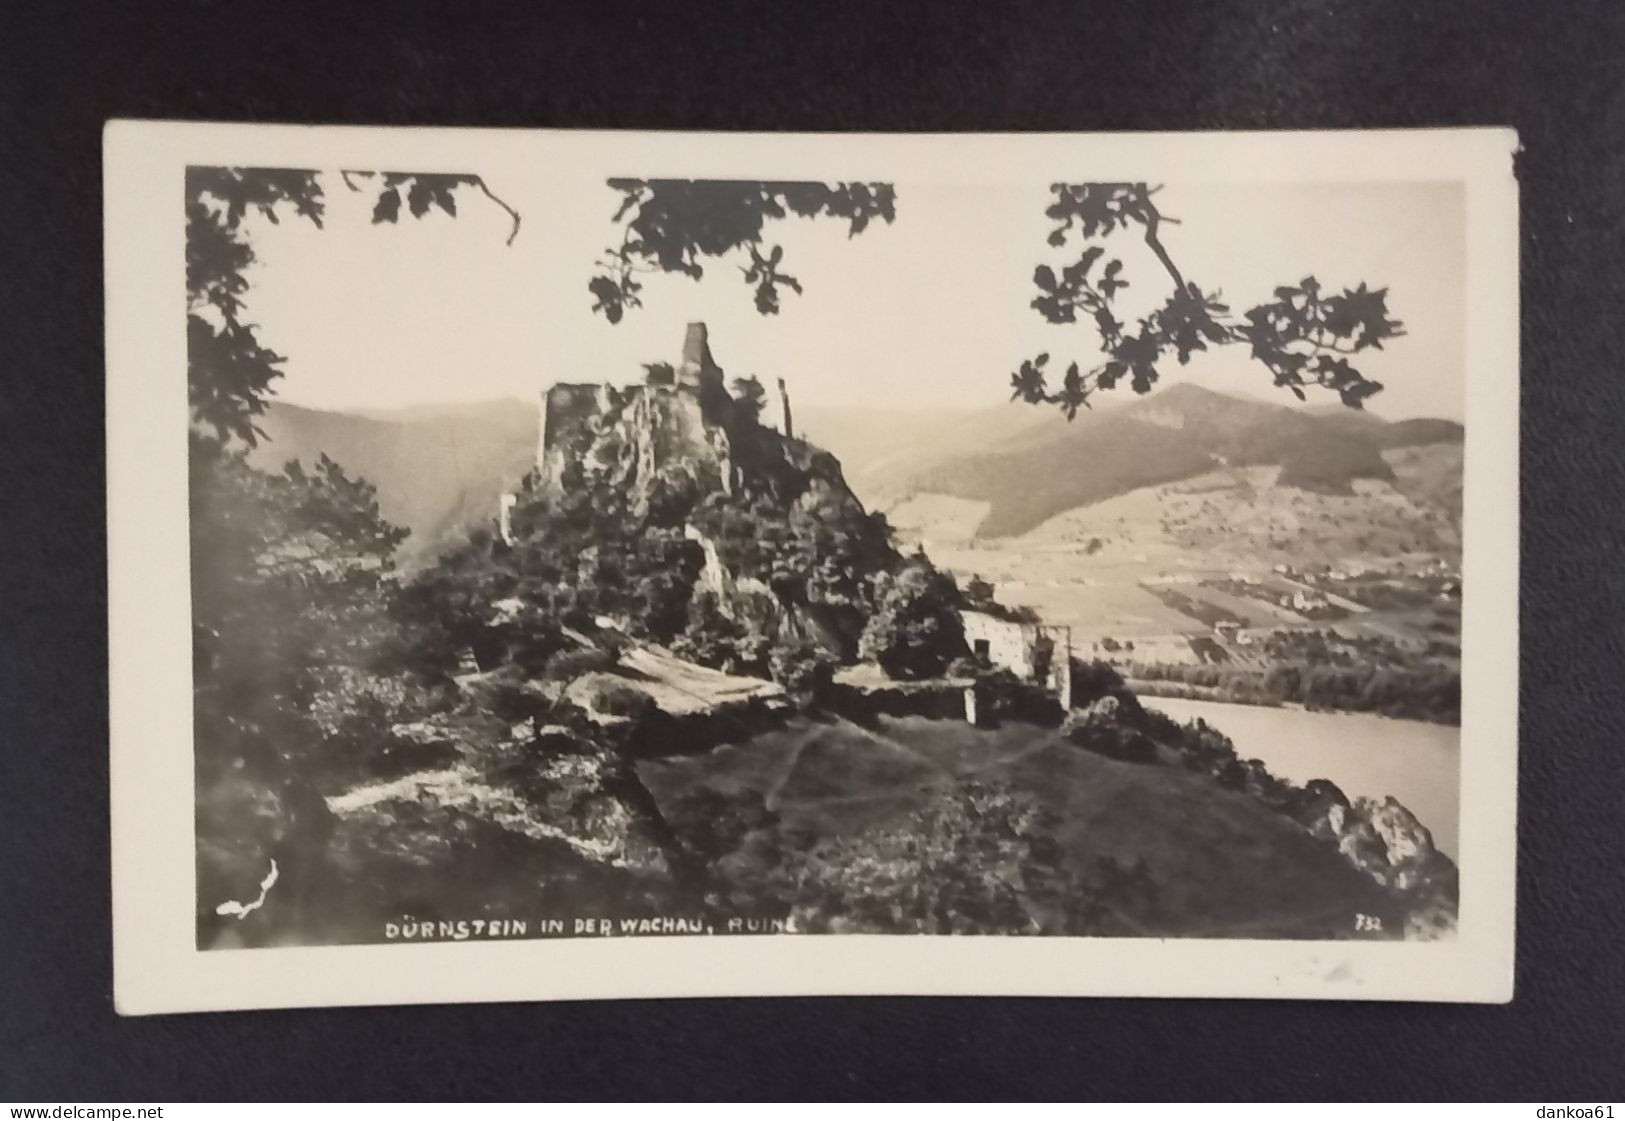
(1050, 466)
(440, 470)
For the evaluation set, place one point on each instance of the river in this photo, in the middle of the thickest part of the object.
(1417, 762)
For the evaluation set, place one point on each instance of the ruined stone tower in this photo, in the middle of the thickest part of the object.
(698, 368)
(681, 428)
(629, 434)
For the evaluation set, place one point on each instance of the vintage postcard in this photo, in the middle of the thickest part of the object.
(558, 565)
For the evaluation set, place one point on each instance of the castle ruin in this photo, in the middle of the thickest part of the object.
(680, 418)
(681, 426)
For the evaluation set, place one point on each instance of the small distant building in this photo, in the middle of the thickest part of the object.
(1031, 650)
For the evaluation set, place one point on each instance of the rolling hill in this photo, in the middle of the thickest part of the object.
(439, 470)
(883, 450)
(1178, 434)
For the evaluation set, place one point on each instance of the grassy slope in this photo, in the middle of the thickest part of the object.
(1179, 433)
(1233, 515)
(881, 450)
(1234, 519)
(1223, 864)
(1174, 436)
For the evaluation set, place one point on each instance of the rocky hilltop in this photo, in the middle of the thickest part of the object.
(751, 533)
(682, 432)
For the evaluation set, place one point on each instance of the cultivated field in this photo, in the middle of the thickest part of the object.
(1162, 565)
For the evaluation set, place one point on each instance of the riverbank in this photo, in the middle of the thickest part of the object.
(1229, 695)
(1365, 754)
(1425, 690)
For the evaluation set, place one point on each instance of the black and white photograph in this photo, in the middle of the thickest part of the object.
(581, 552)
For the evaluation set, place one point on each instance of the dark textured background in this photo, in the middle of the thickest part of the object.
(1556, 71)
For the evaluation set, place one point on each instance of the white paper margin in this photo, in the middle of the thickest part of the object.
(156, 965)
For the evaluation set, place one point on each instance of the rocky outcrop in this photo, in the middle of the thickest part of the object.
(592, 800)
(556, 788)
(1387, 843)
(657, 452)
(752, 603)
(1380, 839)
(682, 429)
(636, 438)
(797, 476)
(521, 758)
(1385, 840)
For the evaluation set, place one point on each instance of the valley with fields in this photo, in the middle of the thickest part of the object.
(1204, 584)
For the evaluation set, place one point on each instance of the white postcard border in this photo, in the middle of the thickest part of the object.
(157, 967)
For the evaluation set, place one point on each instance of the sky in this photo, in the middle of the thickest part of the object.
(929, 311)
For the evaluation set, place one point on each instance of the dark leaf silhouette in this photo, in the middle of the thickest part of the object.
(388, 206)
(610, 299)
(674, 225)
(1303, 337)
(1027, 384)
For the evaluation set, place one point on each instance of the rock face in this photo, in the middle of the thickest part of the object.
(1385, 841)
(681, 428)
(626, 437)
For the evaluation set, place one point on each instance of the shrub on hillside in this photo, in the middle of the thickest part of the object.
(1094, 679)
(960, 865)
(1001, 695)
(713, 638)
(805, 671)
(914, 630)
(1104, 729)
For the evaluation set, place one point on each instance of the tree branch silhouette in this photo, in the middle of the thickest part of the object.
(1304, 337)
